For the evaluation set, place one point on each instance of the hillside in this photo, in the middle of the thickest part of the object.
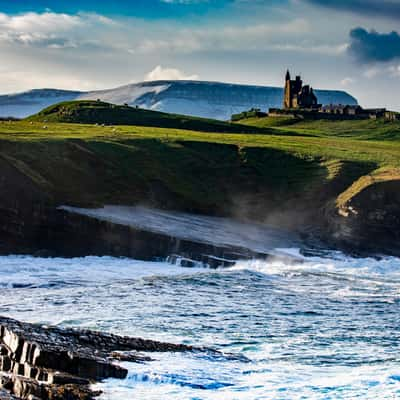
(368, 129)
(202, 99)
(98, 112)
(342, 189)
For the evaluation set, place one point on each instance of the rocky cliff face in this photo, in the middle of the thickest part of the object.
(32, 223)
(202, 99)
(369, 219)
(355, 208)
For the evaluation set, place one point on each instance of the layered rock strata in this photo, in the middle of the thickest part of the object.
(48, 363)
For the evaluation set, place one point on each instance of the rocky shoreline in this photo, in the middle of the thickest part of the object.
(42, 230)
(49, 363)
(45, 231)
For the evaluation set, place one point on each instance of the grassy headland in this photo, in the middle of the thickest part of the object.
(192, 163)
(288, 174)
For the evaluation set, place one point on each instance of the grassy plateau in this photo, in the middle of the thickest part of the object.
(197, 169)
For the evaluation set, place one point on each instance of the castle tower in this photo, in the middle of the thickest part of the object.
(287, 102)
(298, 96)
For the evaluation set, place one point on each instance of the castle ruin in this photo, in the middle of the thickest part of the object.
(298, 96)
(301, 102)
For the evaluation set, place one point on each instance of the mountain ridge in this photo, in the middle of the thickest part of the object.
(205, 99)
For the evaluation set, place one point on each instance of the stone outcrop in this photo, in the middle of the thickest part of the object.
(50, 363)
(367, 218)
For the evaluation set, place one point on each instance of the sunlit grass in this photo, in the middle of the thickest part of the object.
(383, 152)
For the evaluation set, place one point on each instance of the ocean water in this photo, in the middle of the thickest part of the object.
(325, 328)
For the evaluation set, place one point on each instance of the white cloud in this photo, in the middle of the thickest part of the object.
(90, 51)
(347, 82)
(46, 22)
(48, 29)
(372, 72)
(310, 47)
(394, 71)
(56, 30)
(160, 74)
(265, 36)
(382, 71)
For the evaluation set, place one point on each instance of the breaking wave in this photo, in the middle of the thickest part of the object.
(332, 262)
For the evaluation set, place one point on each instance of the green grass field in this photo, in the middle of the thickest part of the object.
(353, 140)
(356, 129)
(198, 170)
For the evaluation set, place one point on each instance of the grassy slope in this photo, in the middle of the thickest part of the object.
(325, 145)
(97, 112)
(379, 138)
(81, 163)
(197, 170)
(356, 129)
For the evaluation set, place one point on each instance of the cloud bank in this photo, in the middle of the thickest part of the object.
(370, 47)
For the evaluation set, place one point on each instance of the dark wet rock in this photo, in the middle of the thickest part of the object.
(51, 363)
(30, 389)
(32, 230)
(130, 356)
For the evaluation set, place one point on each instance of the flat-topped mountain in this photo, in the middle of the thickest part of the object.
(202, 99)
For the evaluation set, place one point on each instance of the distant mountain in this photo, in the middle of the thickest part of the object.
(202, 99)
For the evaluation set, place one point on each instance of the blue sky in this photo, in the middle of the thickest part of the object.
(352, 45)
